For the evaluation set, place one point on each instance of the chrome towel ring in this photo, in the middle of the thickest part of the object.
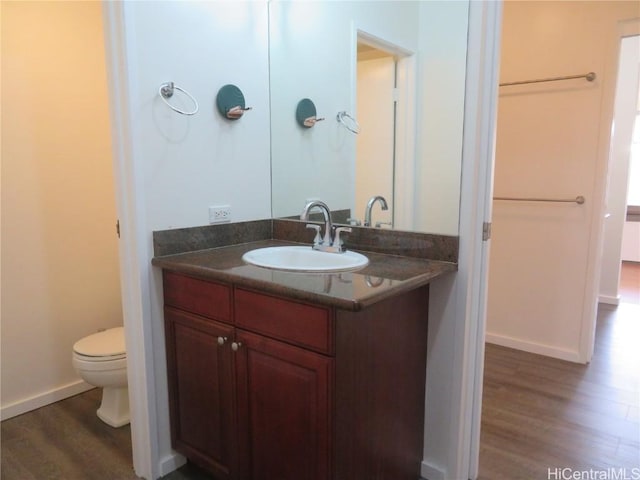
(350, 123)
(167, 90)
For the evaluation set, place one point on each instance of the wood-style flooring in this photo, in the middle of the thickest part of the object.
(67, 441)
(540, 414)
(630, 282)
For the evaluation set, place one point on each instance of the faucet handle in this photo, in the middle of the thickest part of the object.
(317, 239)
(337, 241)
(354, 222)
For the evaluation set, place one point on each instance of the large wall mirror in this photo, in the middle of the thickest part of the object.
(388, 79)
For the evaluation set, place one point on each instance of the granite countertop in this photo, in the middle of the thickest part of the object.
(385, 276)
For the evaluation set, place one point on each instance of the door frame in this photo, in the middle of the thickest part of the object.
(133, 249)
(476, 200)
(624, 28)
(462, 305)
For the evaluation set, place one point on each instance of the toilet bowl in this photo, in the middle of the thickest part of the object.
(101, 360)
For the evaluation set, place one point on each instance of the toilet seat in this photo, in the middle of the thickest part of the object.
(104, 358)
(104, 346)
(98, 364)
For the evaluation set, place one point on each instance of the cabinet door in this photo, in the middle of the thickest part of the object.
(284, 414)
(201, 386)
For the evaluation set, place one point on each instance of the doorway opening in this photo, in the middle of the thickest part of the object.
(622, 222)
(542, 413)
(629, 284)
(60, 249)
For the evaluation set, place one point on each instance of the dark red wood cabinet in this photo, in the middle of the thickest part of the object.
(201, 387)
(266, 388)
(284, 393)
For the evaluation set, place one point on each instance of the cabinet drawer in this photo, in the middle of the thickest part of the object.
(305, 325)
(198, 296)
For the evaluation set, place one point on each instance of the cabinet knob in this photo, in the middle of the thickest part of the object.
(235, 346)
(222, 340)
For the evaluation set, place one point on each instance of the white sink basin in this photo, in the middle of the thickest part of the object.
(304, 259)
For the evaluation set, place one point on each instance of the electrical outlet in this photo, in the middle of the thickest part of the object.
(220, 214)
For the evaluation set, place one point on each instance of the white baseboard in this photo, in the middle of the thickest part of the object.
(609, 299)
(170, 463)
(431, 472)
(42, 399)
(532, 347)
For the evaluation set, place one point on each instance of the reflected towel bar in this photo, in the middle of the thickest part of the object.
(591, 76)
(579, 199)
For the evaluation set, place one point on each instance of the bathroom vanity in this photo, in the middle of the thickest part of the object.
(293, 376)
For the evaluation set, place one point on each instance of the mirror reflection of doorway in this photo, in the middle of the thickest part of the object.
(375, 144)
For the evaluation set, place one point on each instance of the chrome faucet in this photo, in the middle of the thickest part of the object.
(328, 224)
(330, 241)
(370, 203)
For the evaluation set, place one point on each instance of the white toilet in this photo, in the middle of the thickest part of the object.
(101, 360)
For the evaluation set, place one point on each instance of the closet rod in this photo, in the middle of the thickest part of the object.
(579, 199)
(591, 76)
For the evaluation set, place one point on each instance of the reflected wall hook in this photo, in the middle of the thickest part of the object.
(167, 90)
(230, 102)
(348, 122)
(306, 113)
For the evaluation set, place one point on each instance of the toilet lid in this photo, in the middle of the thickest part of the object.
(107, 343)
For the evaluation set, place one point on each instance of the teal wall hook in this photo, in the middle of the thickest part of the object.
(230, 102)
(306, 115)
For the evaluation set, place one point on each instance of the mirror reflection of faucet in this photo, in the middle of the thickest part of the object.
(369, 207)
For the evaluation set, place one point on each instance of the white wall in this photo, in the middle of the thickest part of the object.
(193, 162)
(442, 67)
(59, 245)
(178, 166)
(552, 142)
(625, 108)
